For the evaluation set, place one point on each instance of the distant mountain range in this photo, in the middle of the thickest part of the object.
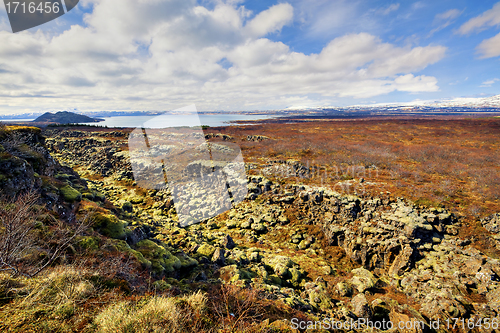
(492, 102)
(65, 117)
(482, 102)
(479, 103)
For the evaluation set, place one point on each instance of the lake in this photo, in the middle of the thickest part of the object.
(175, 120)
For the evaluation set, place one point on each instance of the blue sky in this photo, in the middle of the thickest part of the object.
(247, 55)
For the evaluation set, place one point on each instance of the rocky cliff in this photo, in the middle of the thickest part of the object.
(26, 165)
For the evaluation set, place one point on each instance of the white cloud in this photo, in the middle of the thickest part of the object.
(414, 84)
(270, 20)
(443, 20)
(325, 19)
(163, 55)
(418, 5)
(448, 15)
(489, 18)
(389, 9)
(489, 47)
(489, 83)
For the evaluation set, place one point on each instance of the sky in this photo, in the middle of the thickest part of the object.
(237, 55)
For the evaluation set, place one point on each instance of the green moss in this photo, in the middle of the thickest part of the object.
(426, 202)
(122, 246)
(206, 250)
(296, 277)
(274, 279)
(281, 265)
(88, 243)
(70, 194)
(319, 299)
(47, 184)
(23, 129)
(127, 206)
(62, 176)
(79, 187)
(233, 274)
(88, 196)
(99, 196)
(109, 225)
(34, 158)
(162, 261)
(186, 261)
(136, 199)
(161, 285)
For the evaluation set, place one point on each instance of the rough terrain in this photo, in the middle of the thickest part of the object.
(328, 254)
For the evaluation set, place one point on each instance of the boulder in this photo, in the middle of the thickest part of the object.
(360, 306)
(402, 262)
(363, 279)
(228, 242)
(218, 257)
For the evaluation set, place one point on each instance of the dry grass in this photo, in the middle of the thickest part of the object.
(52, 302)
(73, 299)
(152, 315)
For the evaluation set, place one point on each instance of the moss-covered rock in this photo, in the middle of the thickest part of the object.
(232, 274)
(109, 225)
(62, 176)
(363, 279)
(161, 285)
(206, 250)
(281, 265)
(17, 174)
(162, 261)
(122, 246)
(89, 243)
(319, 299)
(274, 279)
(186, 261)
(344, 288)
(296, 276)
(70, 194)
(136, 199)
(127, 206)
(88, 196)
(258, 228)
(34, 158)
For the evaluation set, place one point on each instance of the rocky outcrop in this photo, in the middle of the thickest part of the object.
(492, 224)
(101, 155)
(224, 137)
(26, 165)
(257, 138)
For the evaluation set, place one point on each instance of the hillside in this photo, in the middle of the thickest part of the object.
(65, 117)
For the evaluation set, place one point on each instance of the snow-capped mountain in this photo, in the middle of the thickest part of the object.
(481, 102)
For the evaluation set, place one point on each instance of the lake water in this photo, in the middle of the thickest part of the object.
(176, 120)
(15, 120)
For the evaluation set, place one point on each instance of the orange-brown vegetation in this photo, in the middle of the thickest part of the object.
(449, 162)
(453, 163)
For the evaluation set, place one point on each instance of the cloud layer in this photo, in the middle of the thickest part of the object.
(490, 47)
(159, 55)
